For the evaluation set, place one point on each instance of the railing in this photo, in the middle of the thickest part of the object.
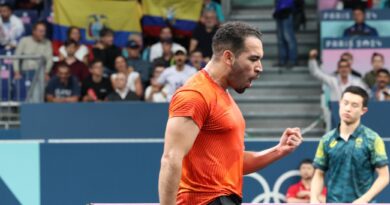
(30, 88)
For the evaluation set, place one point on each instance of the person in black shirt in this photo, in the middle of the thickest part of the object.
(203, 34)
(64, 87)
(105, 50)
(95, 87)
(121, 91)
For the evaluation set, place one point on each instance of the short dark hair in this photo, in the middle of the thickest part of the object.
(94, 61)
(357, 91)
(124, 58)
(70, 42)
(382, 70)
(375, 54)
(62, 65)
(306, 161)
(347, 54)
(37, 24)
(8, 5)
(360, 8)
(105, 32)
(231, 36)
(342, 61)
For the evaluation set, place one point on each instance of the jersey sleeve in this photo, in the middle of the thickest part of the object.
(292, 191)
(378, 153)
(321, 157)
(189, 104)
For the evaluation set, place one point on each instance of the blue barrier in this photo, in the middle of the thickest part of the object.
(124, 173)
(93, 120)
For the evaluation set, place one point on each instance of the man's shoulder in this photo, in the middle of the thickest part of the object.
(368, 133)
(329, 135)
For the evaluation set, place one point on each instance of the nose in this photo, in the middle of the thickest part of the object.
(259, 67)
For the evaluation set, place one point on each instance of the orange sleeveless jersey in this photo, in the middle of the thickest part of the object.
(214, 165)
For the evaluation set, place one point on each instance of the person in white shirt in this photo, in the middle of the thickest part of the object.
(11, 27)
(133, 77)
(336, 83)
(156, 50)
(82, 50)
(175, 76)
(153, 93)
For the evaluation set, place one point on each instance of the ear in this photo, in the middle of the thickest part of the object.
(228, 57)
(364, 109)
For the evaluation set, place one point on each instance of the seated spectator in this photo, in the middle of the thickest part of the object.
(381, 89)
(133, 77)
(196, 60)
(175, 76)
(300, 192)
(349, 57)
(377, 62)
(96, 87)
(106, 51)
(202, 35)
(36, 5)
(11, 28)
(336, 83)
(144, 68)
(77, 68)
(153, 92)
(121, 91)
(36, 45)
(166, 59)
(63, 87)
(360, 28)
(156, 49)
(81, 50)
(209, 5)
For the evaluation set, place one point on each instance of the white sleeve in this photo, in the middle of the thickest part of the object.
(318, 73)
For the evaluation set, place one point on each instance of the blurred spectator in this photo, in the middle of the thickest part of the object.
(381, 90)
(351, 4)
(81, 50)
(175, 76)
(196, 60)
(144, 68)
(121, 91)
(336, 83)
(63, 87)
(300, 192)
(77, 68)
(153, 92)
(167, 55)
(209, 5)
(380, 4)
(202, 35)
(349, 57)
(360, 28)
(106, 51)
(36, 5)
(377, 62)
(156, 49)
(96, 87)
(287, 44)
(11, 27)
(133, 77)
(36, 45)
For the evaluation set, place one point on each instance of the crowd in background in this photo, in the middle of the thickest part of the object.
(145, 69)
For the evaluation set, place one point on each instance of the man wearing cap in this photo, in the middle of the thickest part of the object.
(134, 60)
(175, 76)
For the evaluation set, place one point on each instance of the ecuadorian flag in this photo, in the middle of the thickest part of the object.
(90, 16)
(183, 15)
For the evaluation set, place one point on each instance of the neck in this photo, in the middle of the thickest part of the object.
(306, 183)
(96, 78)
(179, 67)
(347, 129)
(218, 72)
(344, 79)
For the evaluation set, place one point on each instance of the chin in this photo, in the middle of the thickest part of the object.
(240, 90)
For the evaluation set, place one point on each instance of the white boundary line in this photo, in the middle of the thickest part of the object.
(133, 141)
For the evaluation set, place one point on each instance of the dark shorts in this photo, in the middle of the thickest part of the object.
(227, 200)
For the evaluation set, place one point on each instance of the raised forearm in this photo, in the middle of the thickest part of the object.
(254, 161)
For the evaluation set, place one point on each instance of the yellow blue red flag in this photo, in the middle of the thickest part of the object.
(90, 16)
(182, 15)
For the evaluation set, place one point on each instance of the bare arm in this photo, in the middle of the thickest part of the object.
(180, 135)
(289, 141)
(317, 184)
(138, 87)
(193, 44)
(296, 200)
(380, 183)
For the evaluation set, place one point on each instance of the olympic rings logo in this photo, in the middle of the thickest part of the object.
(269, 194)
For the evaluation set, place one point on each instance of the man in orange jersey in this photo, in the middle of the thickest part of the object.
(204, 159)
